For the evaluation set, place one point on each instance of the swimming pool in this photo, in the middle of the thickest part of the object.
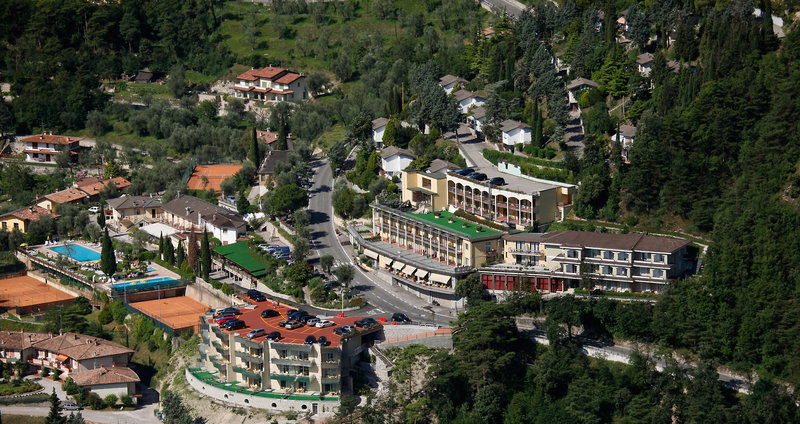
(77, 252)
(146, 284)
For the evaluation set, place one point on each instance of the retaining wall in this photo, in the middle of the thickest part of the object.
(231, 398)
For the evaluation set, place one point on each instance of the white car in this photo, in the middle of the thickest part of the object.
(94, 209)
(325, 323)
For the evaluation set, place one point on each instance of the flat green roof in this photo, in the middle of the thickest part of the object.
(234, 387)
(457, 226)
(239, 253)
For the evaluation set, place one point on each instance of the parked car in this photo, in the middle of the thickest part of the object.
(70, 406)
(223, 320)
(257, 332)
(291, 325)
(329, 285)
(263, 246)
(305, 318)
(322, 340)
(324, 323)
(269, 313)
(465, 171)
(275, 335)
(225, 311)
(398, 317)
(234, 324)
(256, 296)
(296, 315)
(311, 322)
(94, 209)
(283, 323)
(310, 340)
(366, 323)
(291, 311)
(497, 181)
(479, 176)
(342, 331)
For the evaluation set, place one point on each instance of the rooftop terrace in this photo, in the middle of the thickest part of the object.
(460, 226)
(239, 253)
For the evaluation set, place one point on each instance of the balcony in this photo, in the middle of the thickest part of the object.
(291, 360)
(254, 374)
(524, 251)
(249, 358)
(290, 377)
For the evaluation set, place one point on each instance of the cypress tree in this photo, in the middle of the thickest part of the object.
(180, 255)
(169, 252)
(108, 263)
(254, 153)
(160, 244)
(191, 250)
(205, 256)
(539, 124)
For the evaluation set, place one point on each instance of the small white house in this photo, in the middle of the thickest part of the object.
(378, 128)
(449, 82)
(467, 99)
(394, 160)
(626, 135)
(477, 118)
(645, 63)
(515, 132)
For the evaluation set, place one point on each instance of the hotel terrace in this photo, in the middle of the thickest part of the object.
(557, 261)
(427, 253)
(518, 204)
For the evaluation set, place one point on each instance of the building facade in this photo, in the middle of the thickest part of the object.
(136, 209)
(45, 148)
(425, 189)
(272, 85)
(560, 260)
(21, 218)
(394, 160)
(190, 213)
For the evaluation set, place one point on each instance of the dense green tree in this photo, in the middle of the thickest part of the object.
(470, 288)
(108, 261)
(288, 199)
(54, 416)
(205, 256)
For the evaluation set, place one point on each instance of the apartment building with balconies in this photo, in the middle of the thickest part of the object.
(559, 260)
(286, 368)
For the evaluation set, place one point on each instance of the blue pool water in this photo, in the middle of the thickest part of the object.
(146, 284)
(150, 269)
(77, 252)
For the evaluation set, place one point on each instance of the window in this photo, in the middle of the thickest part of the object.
(622, 256)
(5, 225)
(658, 258)
(607, 270)
(658, 273)
(488, 246)
(571, 269)
(426, 183)
(34, 145)
(622, 272)
(608, 255)
(572, 253)
(16, 225)
(644, 271)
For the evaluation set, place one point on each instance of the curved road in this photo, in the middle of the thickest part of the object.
(381, 297)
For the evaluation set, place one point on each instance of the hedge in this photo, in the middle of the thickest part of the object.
(493, 156)
(39, 398)
(462, 214)
(552, 171)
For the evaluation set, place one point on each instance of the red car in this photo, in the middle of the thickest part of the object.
(223, 320)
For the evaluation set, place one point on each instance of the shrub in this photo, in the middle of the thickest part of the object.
(56, 374)
(105, 316)
(111, 400)
(227, 289)
(44, 372)
(25, 399)
(94, 401)
(127, 400)
(70, 387)
(147, 255)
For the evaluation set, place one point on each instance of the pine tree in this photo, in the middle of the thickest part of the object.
(54, 417)
(108, 263)
(180, 254)
(191, 250)
(539, 126)
(205, 256)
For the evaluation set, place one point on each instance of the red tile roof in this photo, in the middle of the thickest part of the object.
(53, 139)
(31, 213)
(288, 78)
(93, 185)
(254, 74)
(66, 196)
(252, 319)
(102, 375)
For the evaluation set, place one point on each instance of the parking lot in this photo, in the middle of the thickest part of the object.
(253, 319)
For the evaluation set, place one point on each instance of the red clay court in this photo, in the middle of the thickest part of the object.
(27, 295)
(252, 319)
(179, 313)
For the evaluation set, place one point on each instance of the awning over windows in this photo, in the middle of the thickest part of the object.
(421, 273)
(62, 357)
(386, 261)
(370, 254)
(398, 265)
(409, 270)
(439, 278)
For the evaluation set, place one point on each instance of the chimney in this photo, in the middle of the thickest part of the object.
(199, 218)
(41, 137)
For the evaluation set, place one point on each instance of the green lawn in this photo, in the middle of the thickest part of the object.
(329, 138)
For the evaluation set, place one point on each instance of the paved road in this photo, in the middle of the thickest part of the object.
(383, 298)
(512, 7)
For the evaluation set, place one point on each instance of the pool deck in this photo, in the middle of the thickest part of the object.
(159, 271)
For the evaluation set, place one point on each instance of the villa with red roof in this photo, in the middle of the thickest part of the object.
(271, 84)
(45, 148)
